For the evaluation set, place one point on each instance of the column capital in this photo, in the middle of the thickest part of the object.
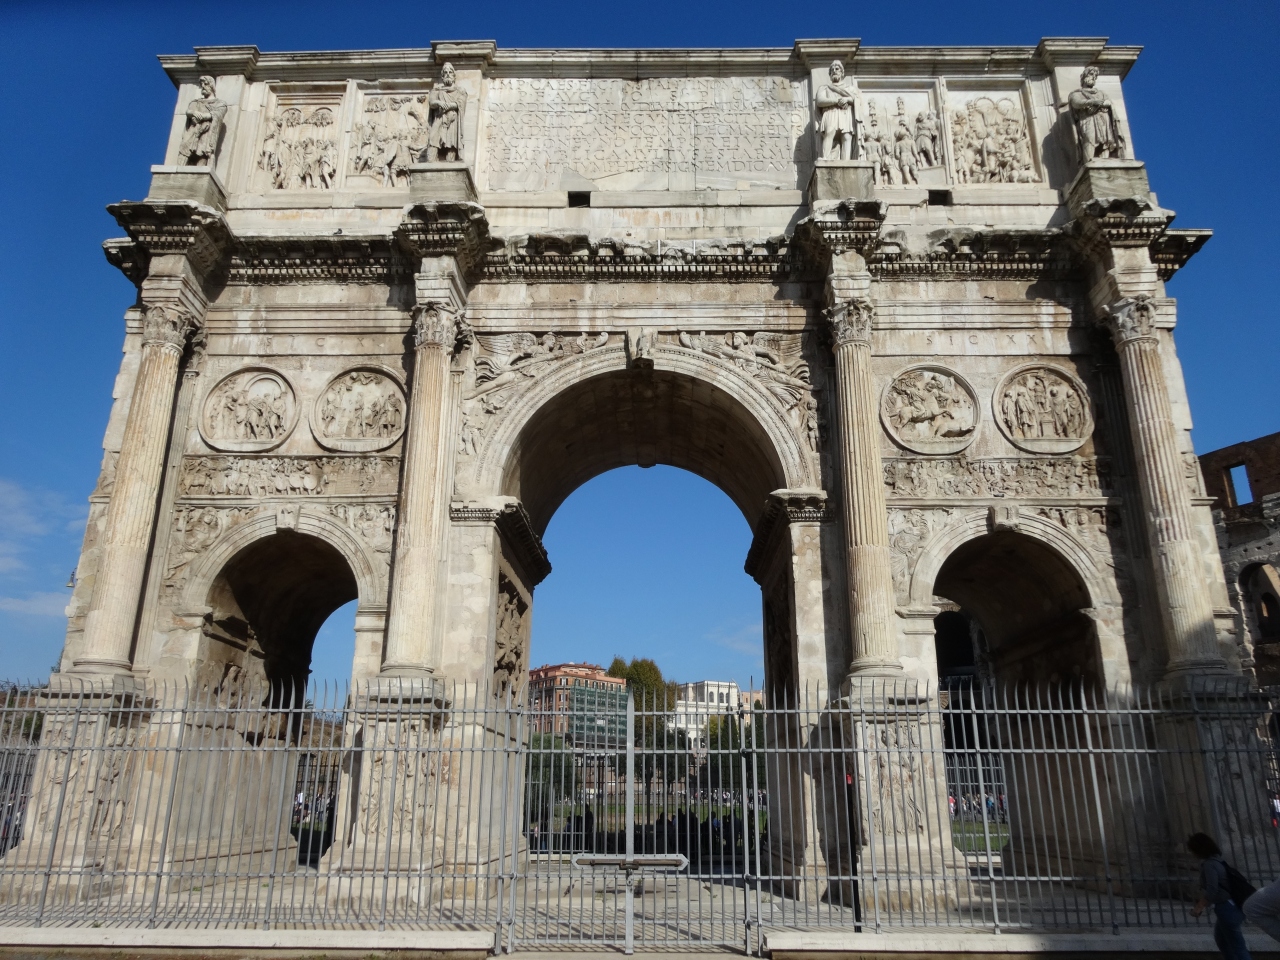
(168, 325)
(851, 319)
(437, 324)
(1130, 320)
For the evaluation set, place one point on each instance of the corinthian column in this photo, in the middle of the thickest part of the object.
(122, 565)
(424, 495)
(866, 526)
(1185, 605)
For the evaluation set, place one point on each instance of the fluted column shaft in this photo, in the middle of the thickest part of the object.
(130, 522)
(866, 526)
(423, 495)
(1186, 608)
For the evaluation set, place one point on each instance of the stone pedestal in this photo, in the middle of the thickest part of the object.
(1104, 180)
(200, 184)
(442, 181)
(841, 180)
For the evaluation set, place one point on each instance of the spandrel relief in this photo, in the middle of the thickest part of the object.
(991, 139)
(249, 411)
(909, 530)
(361, 410)
(901, 137)
(930, 409)
(1043, 410)
(774, 361)
(300, 146)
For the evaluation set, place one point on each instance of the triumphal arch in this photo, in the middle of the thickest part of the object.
(906, 307)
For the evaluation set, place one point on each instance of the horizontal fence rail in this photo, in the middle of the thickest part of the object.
(627, 820)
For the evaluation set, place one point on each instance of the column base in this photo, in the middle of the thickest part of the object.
(875, 668)
(96, 666)
(1181, 671)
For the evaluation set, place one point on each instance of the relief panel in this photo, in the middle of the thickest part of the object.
(991, 137)
(251, 410)
(359, 411)
(930, 409)
(901, 136)
(1042, 410)
(301, 141)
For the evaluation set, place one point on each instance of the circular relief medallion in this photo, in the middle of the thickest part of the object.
(360, 410)
(1042, 410)
(930, 409)
(250, 410)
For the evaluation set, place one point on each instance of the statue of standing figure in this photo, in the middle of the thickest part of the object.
(835, 107)
(445, 108)
(199, 145)
(1097, 129)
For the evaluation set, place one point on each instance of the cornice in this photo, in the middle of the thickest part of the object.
(163, 227)
(127, 257)
(784, 508)
(268, 260)
(990, 255)
(446, 228)
(550, 258)
(836, 228)
(1172, 249)
(516, 529)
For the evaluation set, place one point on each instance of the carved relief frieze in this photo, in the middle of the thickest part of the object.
(391, 135)
(901, 136)
(194, 530)
(909, 530)
(991, 140)
(510, 642)
(359, 411)
(506, 362)
(300, 145)
(774, 360)
(268, 477)
(912, 478)
(251, 410)
(930, 409)
(375, 523)
(1043, 409)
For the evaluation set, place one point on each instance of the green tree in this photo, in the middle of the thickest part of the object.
(662, 752)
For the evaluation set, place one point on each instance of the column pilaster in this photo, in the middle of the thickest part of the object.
(181, 245)
(866, 528)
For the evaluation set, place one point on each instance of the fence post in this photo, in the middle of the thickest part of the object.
(168, 807)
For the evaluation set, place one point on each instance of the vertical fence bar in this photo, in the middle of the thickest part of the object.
(57, 815)
(168, 807)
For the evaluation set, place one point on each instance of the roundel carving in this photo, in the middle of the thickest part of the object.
(930, 409)
(1042, 410)
(249, 410)
(360, 410)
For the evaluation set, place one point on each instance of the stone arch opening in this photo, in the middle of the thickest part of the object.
(271, 599)
(641, 417)
(644, 417)
(1031, 605)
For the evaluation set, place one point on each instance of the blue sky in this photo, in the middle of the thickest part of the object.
(86, 110)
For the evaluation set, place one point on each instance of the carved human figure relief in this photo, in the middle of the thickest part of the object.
(908, 531)
(991, 142)
(1043, 410)
(510, 642)
(507, 360)
(447, 104)
(930, 409)
(300, 149)
(836, 125)
(360, 410)
(774, 361)
(1093, 115)
(391, 135)
(203, 131)
(249, 411)
(262, 477)
(926, 478)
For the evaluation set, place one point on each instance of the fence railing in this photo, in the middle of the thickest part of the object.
(404, 804)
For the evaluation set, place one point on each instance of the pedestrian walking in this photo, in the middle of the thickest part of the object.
(1226, 890)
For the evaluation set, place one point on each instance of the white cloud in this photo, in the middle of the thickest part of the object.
(37, 604)
(28, 516)
(747, 640)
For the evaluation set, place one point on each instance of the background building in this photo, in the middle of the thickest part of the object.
(579, 701)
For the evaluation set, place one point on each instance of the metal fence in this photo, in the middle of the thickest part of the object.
(403, 804)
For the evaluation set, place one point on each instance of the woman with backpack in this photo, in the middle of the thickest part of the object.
(1223, 887)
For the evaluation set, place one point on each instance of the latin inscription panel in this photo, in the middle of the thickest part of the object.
(665, 133)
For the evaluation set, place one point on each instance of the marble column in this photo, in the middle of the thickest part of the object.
(131, 514)
(863, 508)
(1185, 605)
(424, 493)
